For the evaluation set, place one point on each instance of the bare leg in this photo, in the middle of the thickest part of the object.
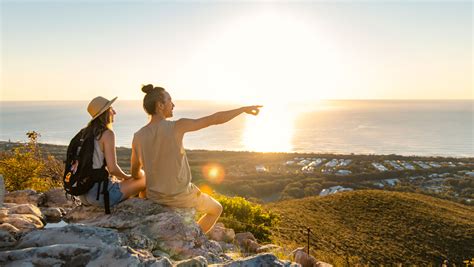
(132, 187)
(213, 211)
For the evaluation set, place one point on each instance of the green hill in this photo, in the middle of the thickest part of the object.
(378, 227)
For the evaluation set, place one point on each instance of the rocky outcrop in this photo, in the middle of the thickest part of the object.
(137, 233)
(147, 225)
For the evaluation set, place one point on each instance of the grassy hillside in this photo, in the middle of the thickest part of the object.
(379, 227)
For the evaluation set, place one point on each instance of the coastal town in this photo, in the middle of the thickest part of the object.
(446, 177)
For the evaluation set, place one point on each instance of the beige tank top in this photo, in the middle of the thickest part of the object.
(164, 160)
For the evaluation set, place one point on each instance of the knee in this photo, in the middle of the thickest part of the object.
(218, 209)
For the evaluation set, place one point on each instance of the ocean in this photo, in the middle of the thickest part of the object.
(424, 128)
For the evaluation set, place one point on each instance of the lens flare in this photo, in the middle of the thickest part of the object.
(206, 189)
(213, 173)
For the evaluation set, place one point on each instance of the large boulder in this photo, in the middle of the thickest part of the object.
(71, 234)
(147, 225)
(25, 197)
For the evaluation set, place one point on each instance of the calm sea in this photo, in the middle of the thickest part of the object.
(432, 128)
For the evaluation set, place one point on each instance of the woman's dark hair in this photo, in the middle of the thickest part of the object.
(99, 125)
(153, 95)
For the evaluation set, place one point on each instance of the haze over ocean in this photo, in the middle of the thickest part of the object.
(425, 128)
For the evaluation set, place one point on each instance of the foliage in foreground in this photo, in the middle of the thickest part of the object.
(244, 216)
(26, 167)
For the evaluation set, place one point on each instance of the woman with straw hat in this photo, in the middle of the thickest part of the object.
(100, 126)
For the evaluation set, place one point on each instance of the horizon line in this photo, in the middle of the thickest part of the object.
(232, 101)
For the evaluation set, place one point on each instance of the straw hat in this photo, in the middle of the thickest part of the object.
(98, 106)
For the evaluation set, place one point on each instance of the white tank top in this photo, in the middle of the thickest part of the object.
(98, 156)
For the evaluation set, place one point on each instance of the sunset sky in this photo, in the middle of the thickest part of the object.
(246, 51)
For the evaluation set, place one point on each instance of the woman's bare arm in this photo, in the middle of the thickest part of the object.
(108, 139)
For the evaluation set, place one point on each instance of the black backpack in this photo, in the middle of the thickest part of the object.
(79, 176)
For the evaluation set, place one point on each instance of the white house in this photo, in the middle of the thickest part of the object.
(391, 182)
(343, 172)
(260, 168)
(379, 167)
(333, 190)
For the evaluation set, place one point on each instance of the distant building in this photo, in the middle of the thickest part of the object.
(379, 167)
(343, 172)
(332, 163)
(391, 182)
(260, 168)
(407, 165)
(333, 190)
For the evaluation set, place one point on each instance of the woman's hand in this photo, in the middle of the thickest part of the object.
(253, 110)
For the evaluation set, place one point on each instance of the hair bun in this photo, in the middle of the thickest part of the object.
(147, 88)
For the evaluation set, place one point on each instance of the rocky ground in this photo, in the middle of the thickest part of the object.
(137, 233)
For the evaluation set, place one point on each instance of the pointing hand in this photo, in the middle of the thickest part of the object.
(253, 110)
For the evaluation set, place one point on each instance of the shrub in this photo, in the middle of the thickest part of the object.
(25, 167)
(244, 216)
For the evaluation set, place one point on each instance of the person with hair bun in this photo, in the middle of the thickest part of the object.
(157, 148)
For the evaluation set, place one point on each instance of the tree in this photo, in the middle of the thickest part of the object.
(25, 167)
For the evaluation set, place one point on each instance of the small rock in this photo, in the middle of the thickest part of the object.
(6, 239)
(240, 237)
(247, 242)
(304, 259)
(227, 247)
(199, 261)
(57, 198)
(220, 233)
(52, 214)
(26, 209)
(251, 246)
(265, 259)
(25, 197)
(23, 222)
(269, 248)
(9, 228)
(3, 213)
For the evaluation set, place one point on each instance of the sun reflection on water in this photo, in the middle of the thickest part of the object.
(270, 131)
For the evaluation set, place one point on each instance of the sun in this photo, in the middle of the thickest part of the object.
(270, 131)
